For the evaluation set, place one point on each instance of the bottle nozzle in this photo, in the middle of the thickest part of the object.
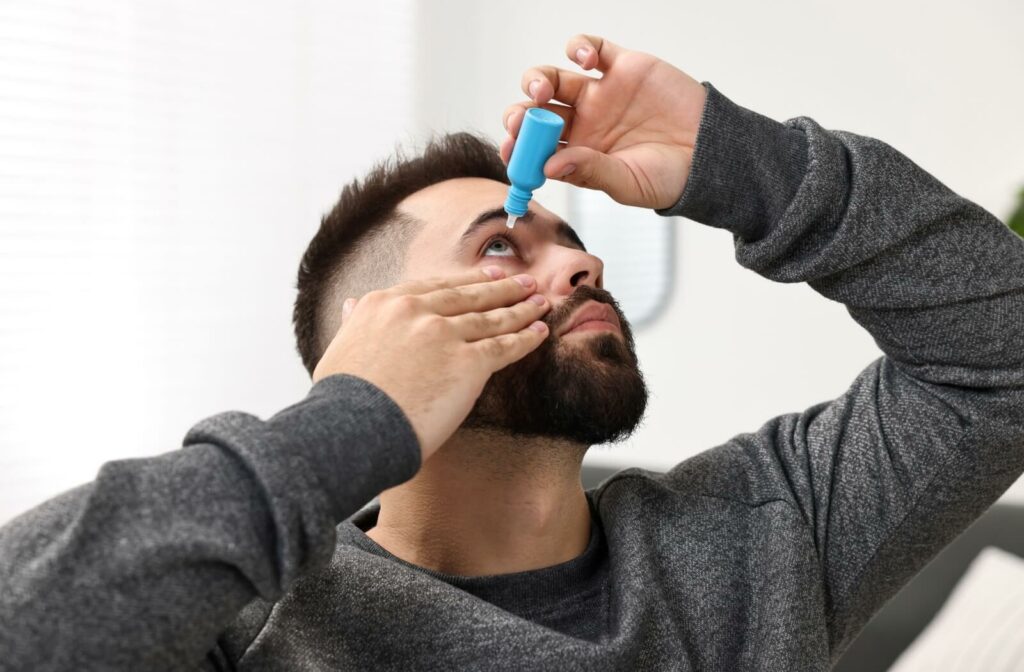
(511, 221)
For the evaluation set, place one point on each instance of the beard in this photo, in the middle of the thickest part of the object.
(587, 389)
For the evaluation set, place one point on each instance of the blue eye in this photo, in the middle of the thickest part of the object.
(506, 248)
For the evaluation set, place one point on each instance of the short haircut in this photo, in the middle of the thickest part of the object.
(362, 241)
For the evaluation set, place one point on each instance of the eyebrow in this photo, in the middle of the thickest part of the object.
(562, 228)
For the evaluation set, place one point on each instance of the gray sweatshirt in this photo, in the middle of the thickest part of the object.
(245, 549)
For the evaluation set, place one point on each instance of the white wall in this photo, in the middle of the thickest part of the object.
(940, 81)
(162, 168)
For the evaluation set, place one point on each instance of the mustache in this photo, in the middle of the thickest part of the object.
(562, 313)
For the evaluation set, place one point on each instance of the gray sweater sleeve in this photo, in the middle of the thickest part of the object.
(927, 436)
(142, 568)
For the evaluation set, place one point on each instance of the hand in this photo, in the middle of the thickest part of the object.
(431, 345)
(630, 133)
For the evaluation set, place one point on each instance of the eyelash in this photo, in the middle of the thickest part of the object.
(505, 239)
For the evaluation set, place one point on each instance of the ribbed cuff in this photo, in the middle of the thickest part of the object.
(354, 436)
(746, 169)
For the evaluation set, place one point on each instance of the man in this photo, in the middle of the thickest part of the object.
(468, 372)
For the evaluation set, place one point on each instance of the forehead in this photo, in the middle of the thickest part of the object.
(448, 206)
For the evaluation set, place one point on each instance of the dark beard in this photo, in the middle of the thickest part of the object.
(590, 391)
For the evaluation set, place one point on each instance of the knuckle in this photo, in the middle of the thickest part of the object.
(510, 342)
(449, 297)
(488, 322)
(509, 317)
(405, 304)
(512, 346)
(493, 348)
(433, 325)
(373, 299)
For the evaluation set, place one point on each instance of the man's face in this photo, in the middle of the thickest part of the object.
(582, 385)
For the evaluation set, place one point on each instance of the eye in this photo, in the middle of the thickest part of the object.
(501, 247)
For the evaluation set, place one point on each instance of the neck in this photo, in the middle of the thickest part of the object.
(488, 503)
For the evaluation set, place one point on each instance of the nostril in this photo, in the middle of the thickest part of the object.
(577, 278)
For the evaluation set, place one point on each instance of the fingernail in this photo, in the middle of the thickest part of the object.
(581, 55)
(539, 327)
(533, 87)
(493, 272)
(538, 299)
(524, 280)
(568, 170)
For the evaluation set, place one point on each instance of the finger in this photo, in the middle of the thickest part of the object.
(500, 351)
(506, 148)
(515, 113)
(589, 168)
(591, 51)
(486, 274)
(475, 326)
(509, 142)
(479, 297)
(546, 82)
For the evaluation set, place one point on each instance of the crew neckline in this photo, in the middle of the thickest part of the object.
(552, 583)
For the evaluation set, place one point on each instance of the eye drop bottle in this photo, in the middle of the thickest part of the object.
(538, 138)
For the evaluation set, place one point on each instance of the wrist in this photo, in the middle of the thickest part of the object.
(745, 169)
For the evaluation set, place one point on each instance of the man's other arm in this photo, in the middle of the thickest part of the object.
(142, 568)
(928, 436)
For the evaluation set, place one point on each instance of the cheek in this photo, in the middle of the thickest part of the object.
(429, 269)
(424, 265)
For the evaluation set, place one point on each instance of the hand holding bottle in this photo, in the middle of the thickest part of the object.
(630, 133)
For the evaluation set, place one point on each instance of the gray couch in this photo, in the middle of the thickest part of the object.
(903, 618)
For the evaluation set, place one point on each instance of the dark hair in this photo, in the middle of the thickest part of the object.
(358, 227)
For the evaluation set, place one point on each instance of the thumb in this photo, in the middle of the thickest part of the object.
(591, 169)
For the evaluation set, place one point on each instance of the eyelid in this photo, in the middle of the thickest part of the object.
(501, 236)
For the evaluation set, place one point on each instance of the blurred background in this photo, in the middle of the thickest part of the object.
(164, 164)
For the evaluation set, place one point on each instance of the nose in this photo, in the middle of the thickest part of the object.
(573, 268)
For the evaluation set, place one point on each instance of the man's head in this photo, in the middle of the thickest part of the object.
(440, 213)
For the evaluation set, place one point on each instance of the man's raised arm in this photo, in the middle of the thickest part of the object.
(928, 436)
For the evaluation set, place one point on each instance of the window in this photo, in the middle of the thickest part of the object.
(637, 247)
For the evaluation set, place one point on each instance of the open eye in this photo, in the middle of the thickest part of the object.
(499, 246)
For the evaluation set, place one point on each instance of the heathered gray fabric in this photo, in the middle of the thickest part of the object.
(768, 552)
